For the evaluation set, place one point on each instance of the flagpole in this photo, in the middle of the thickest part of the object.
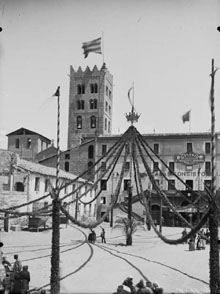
(103, 51)
(133, 93)
(190, 121)
(55, 254)
(213, 217)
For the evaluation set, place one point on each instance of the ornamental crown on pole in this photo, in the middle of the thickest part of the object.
(132, 116)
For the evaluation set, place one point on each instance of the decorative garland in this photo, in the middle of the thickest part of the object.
(160, 192)
(108, 208)
(166, 240)
(140, 137)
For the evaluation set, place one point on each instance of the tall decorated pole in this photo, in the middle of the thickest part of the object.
(213, 218)
(55, 255)
(131, 117)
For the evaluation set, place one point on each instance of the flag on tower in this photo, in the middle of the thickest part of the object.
(92, 46)
(57, 93)
(186, 116)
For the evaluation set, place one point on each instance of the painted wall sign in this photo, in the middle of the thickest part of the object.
(189, 158)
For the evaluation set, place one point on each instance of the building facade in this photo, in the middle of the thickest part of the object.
(27, 143)
(22, 181)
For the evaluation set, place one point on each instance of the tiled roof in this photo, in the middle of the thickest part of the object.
(44, 170)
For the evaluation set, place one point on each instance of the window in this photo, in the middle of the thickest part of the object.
(127, 165)
(103, 165)
(127, 148)
(92, 90)
(106, 90)
(67, 156)
(189, 148)
(172, 166)
(45, 205)
(171, 184)
(105, 124)
(93, 103)
(79, 122)
(80, 89)
(208, 185)
(103, 200)
(93, 122)
(67, 166)
(65, 190)
(90, 152)
(29, 143)
(17, 143)
(80, 104)
(189, 184)
(126, 184)
(109, 126)
(103, 185)
(208, 168)
(90, 163)
(19, 187)
(104, 149)
(37, 184)
(207, 147)
(110, 95)
(46, 185)
(109, 109)
(189, 167)
(156, 148)
(155, 166)
(106, 106)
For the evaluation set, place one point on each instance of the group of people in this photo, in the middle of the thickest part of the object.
(92, 236)
(128, 287)
(197, 242)
(16, 277)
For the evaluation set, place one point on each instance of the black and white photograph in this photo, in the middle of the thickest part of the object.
(109, 146)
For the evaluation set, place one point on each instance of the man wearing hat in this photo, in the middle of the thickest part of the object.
(129, 283)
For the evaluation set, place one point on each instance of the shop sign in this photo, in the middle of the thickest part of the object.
(190, 158)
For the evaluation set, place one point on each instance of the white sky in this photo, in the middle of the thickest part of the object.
(164, 46)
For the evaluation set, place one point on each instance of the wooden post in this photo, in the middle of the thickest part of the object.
(129, 236)
(213, 218)
(55, 256)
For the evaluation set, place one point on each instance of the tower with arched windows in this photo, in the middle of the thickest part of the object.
(90, 103)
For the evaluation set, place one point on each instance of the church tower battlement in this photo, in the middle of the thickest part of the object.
(90, 103)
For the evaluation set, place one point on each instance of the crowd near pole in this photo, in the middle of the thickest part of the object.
(55, 255)
(213, 218)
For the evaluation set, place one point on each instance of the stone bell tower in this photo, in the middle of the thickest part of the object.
(90, 104)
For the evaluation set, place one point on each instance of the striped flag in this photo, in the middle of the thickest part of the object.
(186, 116)
(92, 46)
(57, 93)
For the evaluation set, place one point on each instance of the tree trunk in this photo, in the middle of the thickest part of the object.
(55, 258)
(214, 252)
